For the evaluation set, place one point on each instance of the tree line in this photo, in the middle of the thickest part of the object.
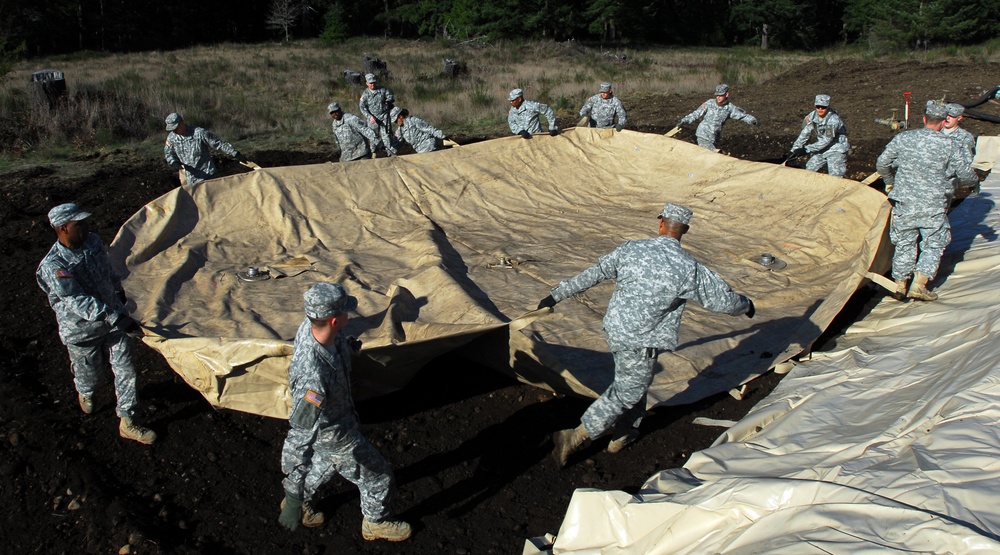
(34, 28)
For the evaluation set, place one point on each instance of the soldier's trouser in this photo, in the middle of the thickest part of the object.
(383, 130)
(87, 363)
(905, 230)
(835, 162)
(309, 464)
(625, 398)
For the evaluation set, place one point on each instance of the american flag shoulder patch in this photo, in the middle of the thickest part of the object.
(61, 273)
(314, 398)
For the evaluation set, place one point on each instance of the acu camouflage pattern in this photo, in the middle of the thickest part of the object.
(654, 280)
(420, 134)
(525, 117)
(709, 131)
(965, 141)
(919, 164)
(831, 145)
(602, 113)
(191, 152)
(377, 103)
(83, 292)
(351, 134)
(326, 439)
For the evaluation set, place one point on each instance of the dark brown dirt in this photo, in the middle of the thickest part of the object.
(469, 446)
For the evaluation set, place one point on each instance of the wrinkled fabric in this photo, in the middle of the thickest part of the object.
(324, 436)
(602, 113)
(654, 280)
(354, 137)
(190, 152)
(525, 117)
(831, 145)
(377, 103)
(420, 134)
(919, 164)
(709, 131)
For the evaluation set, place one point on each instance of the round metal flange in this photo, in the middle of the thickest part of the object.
(253, 273)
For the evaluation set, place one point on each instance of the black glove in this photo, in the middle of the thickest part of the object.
(547, 302)
(121, 296)
(619, 127)
(553, 132)
(752, 310)
(240, 157)
(679, 123)
(799, 152)
(291, 512)
(524, 134)
(354, 343)
(127, 325)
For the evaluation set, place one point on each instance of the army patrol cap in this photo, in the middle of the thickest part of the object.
(935, 110)
(65, 213)
(822, 100)
(333, 107)
(721, 90)
(605, 87)
(954, 109)
(676, 213)
(324, 300)
(173, 120)
(369, 78)
(514, 94)
(394, 113)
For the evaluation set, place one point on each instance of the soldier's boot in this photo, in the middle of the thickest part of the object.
(311, 518)
(919, 290)
(900, 292)
(567, 442)
(389, 530)
(130, 430)
(86, 403)
(622, 440)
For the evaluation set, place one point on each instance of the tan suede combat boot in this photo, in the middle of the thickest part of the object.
(567, 442)
(389, 530)
(86, 404)
(919, 290)
(900, 292)
(130, 430)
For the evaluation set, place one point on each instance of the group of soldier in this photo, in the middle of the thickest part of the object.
(654, 278)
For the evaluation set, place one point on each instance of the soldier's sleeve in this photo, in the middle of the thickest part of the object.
(430, 129)
(363, 106)
(389, 97)
(620, 111)
(60, 283)
(170, 156)
(606, 268)
(307, 390)
(696, 114)
(220, 145)
(550, 116)
(960, 165)
(713, 293)
(366, 131)
(512, 123)
(804, 134)
(587, 107)
(740, 114)
(885, 163)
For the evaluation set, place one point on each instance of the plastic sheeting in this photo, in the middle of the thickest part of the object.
(887, 444)
(454, 248)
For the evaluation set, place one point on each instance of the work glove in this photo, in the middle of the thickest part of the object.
(524, 134)
(799, 152)
(680, 123)
(291, 513)
(121, 296)
(547, 302)
(553, 132)
(127, 325)
(752, 310)
(240, 158)
(619, 127)
(354, 343)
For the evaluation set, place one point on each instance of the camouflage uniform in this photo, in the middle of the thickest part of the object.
(918, 164)
(525, 117)
(376, 103)
(831, 146)
(655, 279)
(83, 291)
(191, 152)
(709, 131)
(351, 133)
(601, 113)
(419, 134)
(325, 436)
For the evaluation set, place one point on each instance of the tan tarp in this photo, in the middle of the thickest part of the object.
(445, 249)
(888, 444)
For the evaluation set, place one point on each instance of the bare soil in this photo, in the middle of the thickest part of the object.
(470, 447)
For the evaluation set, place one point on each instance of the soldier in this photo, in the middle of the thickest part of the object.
(523, 116)
(965, 140)
(831, 146)
(376, 103)
(94, 324)
(716, 112)
(602, 108)
(655, 279)
(355, 139)
(187, 150)
(916, 166)
(420, 134)
(325, 436)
